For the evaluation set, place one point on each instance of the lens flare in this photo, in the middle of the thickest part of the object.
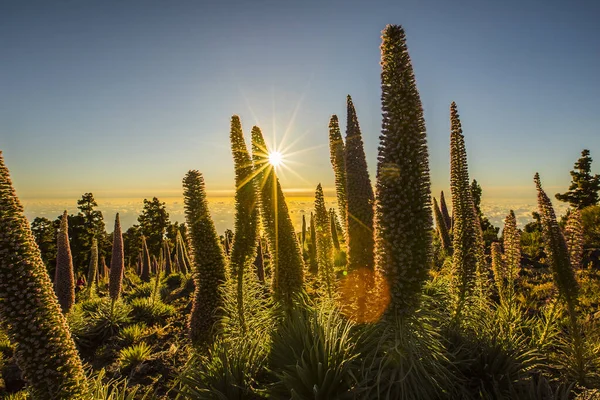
(275, 158)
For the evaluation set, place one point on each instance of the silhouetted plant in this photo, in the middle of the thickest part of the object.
(92, 277)
(313, 262)
(584, 188)
(465, 226)
(338, 161)
(512, 251)
(563, 275)
(445, 213)
(574, 238)
(168, 262)
(145, 274)
(442, 228)
(209, 260)
(303, 233)
(243, 250)
(324, 242)
(359, 223)
(287, 266)
(64, 280)
(333, 227)
(117, 262)
(403, 208)
(29, 308)
(259, 262)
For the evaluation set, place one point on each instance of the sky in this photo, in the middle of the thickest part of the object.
(122, 98)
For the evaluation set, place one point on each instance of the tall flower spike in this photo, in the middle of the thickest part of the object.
(167, 255)
(303, 234)
(512, 248)
(338, 162)
(313, 265)
(209, 260)
(29, 308)
(442, 228)
(324, 241)
(466, 228)
(403, 208)
(445, 213)
(117, 262)
(93, 267)
(145, 274)
(288, 266)
(574, 238)
(64, 280)
(359, 216)
(556, 248)
(499, 269)
(243, 251)
(333, 227)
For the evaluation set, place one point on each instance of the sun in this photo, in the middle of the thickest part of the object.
(275, 158)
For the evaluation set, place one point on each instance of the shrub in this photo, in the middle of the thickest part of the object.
(133, 333)
(133, 355)
(151, 311)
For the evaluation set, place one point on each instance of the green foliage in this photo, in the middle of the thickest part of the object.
(404, 358)
(403, 208)
(590, 218)
(134, 355)
(226, 373)
(97, 322)
(133, 333)
(29, 308)
(154, 221)
(313, 355)
(113, 389)
(209, 260)
(465, 229)
(287, 266)
(151, 311)
(359, 213)
(117, 263)
(338, 162)
(584, 188)
(44, 233)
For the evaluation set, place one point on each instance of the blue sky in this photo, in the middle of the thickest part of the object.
(121, 98)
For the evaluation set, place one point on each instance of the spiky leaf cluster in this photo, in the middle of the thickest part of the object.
(442, 229)
(287, 264)
(466, 228)
(324, 241)
(117, 262)
(359, 213)
(209, 261)
(403, 208)
(64, 279)
(338, 162)
(556, 248)
(29, 308)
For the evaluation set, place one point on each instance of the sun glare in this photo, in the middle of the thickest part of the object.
(275, 158)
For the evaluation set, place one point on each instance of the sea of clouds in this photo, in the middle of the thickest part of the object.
(222, 209)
